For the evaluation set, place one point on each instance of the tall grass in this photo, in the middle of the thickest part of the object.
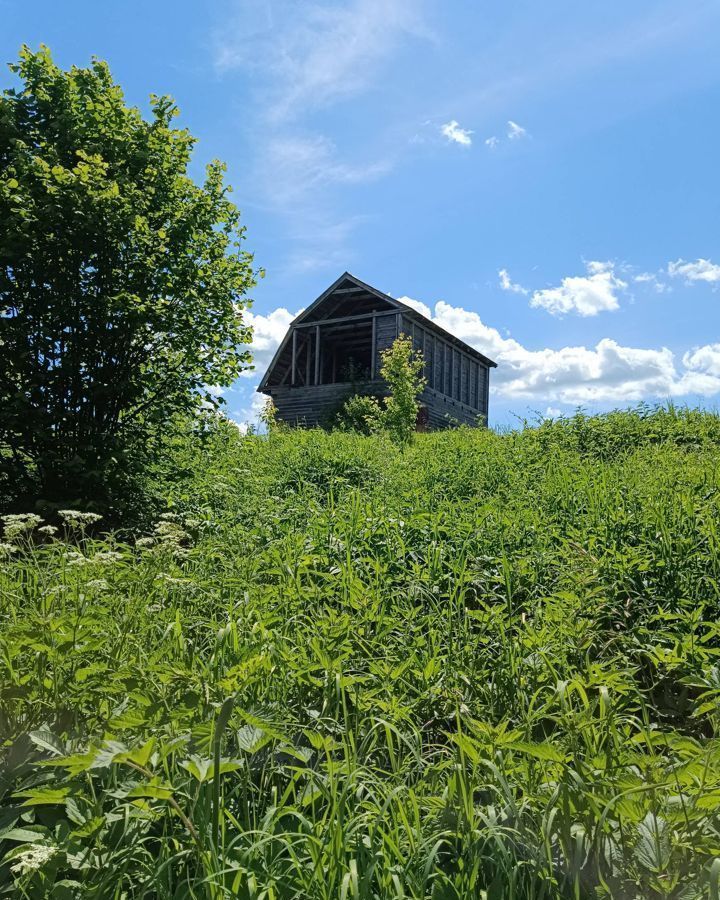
(483, 666)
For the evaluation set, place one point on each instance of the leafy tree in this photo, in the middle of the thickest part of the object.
(122, 281)
(402, 370)
(397, 413)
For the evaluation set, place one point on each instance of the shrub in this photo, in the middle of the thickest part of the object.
(397, 413)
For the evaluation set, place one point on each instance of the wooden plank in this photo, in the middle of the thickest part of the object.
(342, 319)
(373, 345)
(317, 354)
(294, 357)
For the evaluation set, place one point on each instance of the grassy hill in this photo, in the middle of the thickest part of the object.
(484, 666)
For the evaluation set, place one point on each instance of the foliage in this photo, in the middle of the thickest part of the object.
(401, 368)
(480, 666)
(268, 416)
(397, 413)
(122, 282)
(361, 413)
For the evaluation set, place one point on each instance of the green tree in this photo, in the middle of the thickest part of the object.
(122, 281)
(397, 413)
(402, 370)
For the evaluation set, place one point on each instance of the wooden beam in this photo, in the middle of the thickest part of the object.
(333, 321)
(373, 344)
(294, 357)
(317, 354)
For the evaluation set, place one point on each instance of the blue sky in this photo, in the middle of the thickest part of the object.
(544, 178)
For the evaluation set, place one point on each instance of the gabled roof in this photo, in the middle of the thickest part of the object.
(347, 284)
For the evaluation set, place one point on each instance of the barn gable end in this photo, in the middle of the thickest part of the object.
(332, 350)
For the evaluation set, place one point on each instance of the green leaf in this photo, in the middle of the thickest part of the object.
(43, 796)
(538, 751)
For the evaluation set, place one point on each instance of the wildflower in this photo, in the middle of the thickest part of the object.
(144, 542)
(20, 523)
(107, 556)
(74, 558)
(76, 519)
(33, 858)
(49, 530)
(7, 550)
(98, 584)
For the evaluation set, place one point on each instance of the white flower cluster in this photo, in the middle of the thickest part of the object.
(18, 524)
(168, 535)
(7, 550)
(33, 858)
(75, 519)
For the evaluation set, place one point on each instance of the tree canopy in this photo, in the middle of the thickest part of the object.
(122, 281)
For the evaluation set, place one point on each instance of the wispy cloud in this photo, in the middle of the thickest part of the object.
(294, 167)
(455, 134)
(515, 131)
(700, 270)
(586, 295)
(492, 142)
(314, 54)
(299, 57)
(507, 284)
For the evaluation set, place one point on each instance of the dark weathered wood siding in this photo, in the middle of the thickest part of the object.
(352, 320)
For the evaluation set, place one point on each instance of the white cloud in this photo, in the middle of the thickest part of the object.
(515, 131)
(586, 295)
(508, 285)
(705, 360)
(700, 270)
(418, 305)
(316, 53)
(608, 372)
(454, 133)
(293, 168)
(492, 142)
(651, 278)
(268, 331)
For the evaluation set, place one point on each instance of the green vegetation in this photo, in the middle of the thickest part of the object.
(396, 414)
(122, 286)
(480, 666)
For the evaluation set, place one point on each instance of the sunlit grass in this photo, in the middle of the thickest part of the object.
(482, 666)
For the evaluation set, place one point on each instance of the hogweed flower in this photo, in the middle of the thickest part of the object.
(18, 524)
(49, 530)
(76, 519)
(7, 550)
(33, 858)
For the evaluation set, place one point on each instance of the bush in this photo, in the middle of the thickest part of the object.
(397, 413)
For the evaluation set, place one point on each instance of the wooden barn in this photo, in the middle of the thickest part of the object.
(332, 350)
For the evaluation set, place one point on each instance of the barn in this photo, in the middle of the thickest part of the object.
(332, 350)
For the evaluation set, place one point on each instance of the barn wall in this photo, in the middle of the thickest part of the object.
(311, 406)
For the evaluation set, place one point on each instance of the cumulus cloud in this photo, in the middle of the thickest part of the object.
(455, 134)
(268, 331)
(607, 372)
(507, 284)
(705, 360)
(586, 295)
(515, 131)
(700, 270)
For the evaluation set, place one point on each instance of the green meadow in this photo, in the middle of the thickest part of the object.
(482, 666)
